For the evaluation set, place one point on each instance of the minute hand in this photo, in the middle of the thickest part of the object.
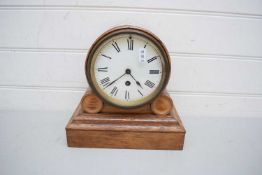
(114, 81)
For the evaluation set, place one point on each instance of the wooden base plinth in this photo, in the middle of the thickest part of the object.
(135, 131)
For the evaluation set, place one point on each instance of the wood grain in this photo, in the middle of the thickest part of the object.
(91, 103)
(131, 140)
(145, 109)
(163, 104)
(137, 131)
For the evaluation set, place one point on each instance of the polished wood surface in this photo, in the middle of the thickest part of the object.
(92, 104)
(162, 105)
(125, 130)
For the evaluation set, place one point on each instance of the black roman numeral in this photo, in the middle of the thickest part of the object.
(149, 84)
(106, 56)
(153, 71)
(116, 46)
(152, 59)
(130, 43)
(145, 45)
(102, 69)
(105, 81)
(140, 92)
(127, 97)
(114, 91)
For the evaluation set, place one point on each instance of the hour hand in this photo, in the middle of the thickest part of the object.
(137, 82)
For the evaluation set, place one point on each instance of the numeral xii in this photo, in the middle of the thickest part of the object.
(130, 44)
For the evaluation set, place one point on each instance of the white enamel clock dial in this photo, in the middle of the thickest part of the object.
(127, 70)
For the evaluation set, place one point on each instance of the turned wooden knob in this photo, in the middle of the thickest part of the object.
(91, 103)
(162, 105)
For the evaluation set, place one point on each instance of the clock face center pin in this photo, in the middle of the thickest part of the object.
(128, 71)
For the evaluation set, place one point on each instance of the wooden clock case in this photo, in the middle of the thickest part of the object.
(98, 124)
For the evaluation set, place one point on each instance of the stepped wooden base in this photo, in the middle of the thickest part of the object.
(136, 131)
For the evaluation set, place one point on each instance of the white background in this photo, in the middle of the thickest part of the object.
(216, 50)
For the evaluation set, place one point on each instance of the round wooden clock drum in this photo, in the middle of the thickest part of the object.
(126, 104)
(127, 67)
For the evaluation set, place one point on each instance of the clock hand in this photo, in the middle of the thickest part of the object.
(137, 82)
(114, 81)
